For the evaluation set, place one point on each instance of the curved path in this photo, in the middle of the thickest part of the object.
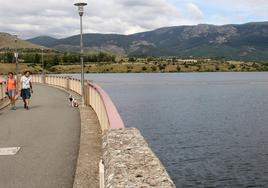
(48, 135)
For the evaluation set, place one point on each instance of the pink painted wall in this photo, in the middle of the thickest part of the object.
(114, 118)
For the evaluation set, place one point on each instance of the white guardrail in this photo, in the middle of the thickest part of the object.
(95, 97)
(2, 89)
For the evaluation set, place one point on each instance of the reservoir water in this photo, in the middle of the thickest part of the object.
(208, 129)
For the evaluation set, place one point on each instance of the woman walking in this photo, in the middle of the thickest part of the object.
(12, 90)
(26, 89)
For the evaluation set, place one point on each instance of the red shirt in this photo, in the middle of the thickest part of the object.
(11, 84)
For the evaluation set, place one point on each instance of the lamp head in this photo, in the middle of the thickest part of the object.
(80, 6)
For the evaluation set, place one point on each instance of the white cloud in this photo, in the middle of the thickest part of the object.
(29, 18)
(195, 11)
(60, 18)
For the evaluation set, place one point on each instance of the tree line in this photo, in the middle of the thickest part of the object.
(52, 59)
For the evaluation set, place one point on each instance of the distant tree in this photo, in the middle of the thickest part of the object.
(29, 58)
(162, 66)
(144, 68)
(217, 68)
(65, 58)
(153, 68)
(255, 65)
(56, 60)
(9, 57)
(132, 59)
(232, 66)
(37, 59)
(149, 59)
(129, 67)
(101, 57)
(121, 61)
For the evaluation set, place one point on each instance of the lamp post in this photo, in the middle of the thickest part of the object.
(16, 56)
(43, 66)
(80, 6)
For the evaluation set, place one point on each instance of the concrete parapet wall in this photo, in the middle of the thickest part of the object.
(129, 161)
(2, 90)
(4, 101)
(94, 96)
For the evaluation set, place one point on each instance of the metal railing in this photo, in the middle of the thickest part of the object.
(95, 97)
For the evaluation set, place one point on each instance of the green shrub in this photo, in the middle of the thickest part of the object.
(153, 68)
(144, 68)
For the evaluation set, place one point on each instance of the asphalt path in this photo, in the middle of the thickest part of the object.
(48, 136)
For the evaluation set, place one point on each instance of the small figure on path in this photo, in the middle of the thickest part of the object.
(73, 101)
(26, 89)
(12, 90)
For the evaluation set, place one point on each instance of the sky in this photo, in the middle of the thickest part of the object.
(59, 18)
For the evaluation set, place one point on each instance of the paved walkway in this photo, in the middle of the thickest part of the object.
(87, 172)
(48, 135)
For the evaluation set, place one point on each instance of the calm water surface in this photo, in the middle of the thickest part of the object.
(208, 129)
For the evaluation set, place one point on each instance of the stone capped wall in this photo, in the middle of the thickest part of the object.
(129, 161)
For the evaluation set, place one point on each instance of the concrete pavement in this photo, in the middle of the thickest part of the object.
(48, 135)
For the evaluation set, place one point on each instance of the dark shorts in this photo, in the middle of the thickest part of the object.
(26, 93)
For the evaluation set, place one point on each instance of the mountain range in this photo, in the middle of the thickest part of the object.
(238, 42)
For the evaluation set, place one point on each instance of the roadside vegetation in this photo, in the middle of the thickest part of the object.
(56, 62)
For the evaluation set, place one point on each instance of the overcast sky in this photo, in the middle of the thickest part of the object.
(59, 18)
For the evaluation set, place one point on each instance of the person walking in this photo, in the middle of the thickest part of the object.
(26, 89)
(12, 91)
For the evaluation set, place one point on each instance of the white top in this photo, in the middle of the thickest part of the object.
(26, 82)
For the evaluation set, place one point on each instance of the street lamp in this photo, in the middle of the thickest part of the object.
(16, 56)
(43, 66)
(80, 6)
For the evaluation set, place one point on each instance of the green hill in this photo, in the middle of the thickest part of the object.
(7, 41)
